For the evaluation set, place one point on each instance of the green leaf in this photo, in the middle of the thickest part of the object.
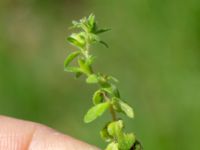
(92, 79)
(115, 128)
(121, 106)
(90, 60)
(128, 110)
(113, 90)
(115, 104)
(126, 141)
(84, 66)
(137, 145)
(112, 146)
(103, 81)
(75, 42)
(93, 38)
(97, 97)
(83, 24)
(96, 111)
(91, 20)
(75, 23)
(108, 90)
(77, 39)
(112, 78)
(104, 43)
(70, 58)
(102, 31)
(73, 69)
(94, 28)
(105, 135)
(80, 25)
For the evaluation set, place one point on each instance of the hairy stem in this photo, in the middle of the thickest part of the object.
(114, 118)
(112, 111)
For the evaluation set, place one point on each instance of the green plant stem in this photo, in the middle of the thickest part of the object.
(112, 111)
(114, 118)
(107, 96)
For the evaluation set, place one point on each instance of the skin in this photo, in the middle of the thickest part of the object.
(24, 135)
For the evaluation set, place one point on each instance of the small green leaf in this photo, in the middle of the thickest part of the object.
(70, 58)
(77, 39)
(80, 24)
(93, 38)
(128, 110)
(105, 135)
(75, 23)
(75, 42)
(92, 79)
(112, 78)
(112, 146)
(97, 97)
(84, 66)
(102, 31)
(115, 104)
(113, 90)
(83, 24)
(104, 43)
(103, 81)
(90, 60)
(95, 28)
(108, 90)
(115, 128)
(96, 111)
(137, 145)
(121, 106)
(73, 69)
(91, 20)
(126, 141)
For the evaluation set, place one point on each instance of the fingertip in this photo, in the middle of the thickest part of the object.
(15, 134)
(24, 135)
(45, 138)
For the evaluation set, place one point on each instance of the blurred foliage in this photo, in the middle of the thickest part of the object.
(154, 43)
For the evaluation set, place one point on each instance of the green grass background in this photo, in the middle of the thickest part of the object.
(154, 52)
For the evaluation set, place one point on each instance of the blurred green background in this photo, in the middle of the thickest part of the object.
(154, 52)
